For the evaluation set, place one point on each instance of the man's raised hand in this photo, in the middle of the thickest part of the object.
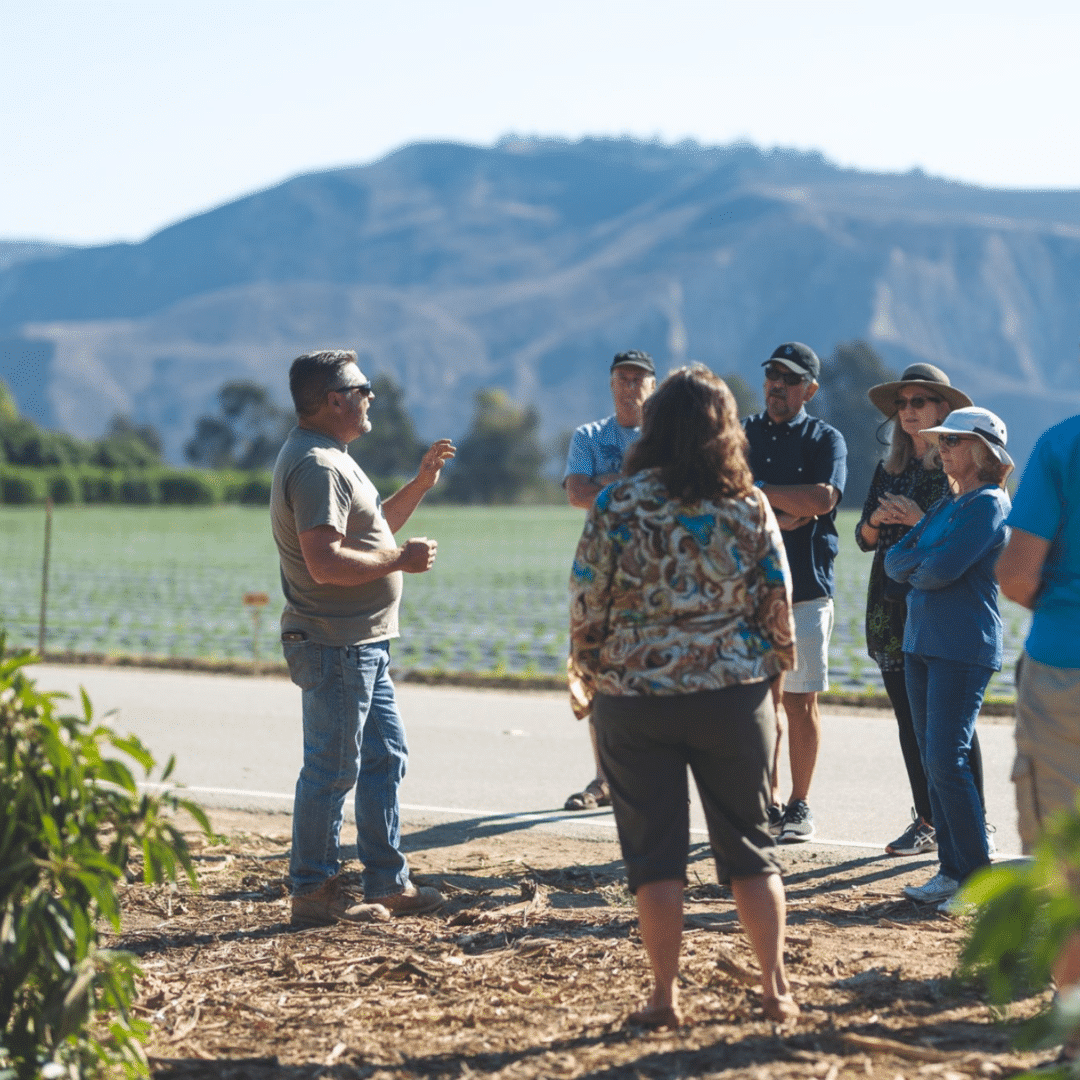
(437, 455)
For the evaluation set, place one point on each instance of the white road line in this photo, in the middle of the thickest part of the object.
(536, 817)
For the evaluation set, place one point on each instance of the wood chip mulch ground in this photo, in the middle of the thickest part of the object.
(534, 963)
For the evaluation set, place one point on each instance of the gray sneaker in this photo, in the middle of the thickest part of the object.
(918, 838)
(330, 903)
(939, 887)
(798, 825)
(776, 819)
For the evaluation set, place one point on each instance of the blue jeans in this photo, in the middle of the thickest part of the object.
(945, 696)
(353, 736)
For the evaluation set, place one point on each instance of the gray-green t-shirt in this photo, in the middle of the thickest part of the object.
(317, 483)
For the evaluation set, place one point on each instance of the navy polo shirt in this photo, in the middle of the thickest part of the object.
(805, 450)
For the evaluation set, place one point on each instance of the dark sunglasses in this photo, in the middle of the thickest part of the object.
(955, 440)
(914, 402)
(364, 388)
(788, 378)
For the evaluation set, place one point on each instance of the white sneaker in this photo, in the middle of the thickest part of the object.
(991, 846)
(939, 887)
(957, 907)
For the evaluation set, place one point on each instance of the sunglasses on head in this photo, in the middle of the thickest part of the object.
(364, 388)
(917, 402)
(954, 440)
(788, 378)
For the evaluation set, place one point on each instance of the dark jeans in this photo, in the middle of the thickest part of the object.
(896, 688)
(945, 697)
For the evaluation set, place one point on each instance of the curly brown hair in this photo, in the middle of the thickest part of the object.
(690, 431)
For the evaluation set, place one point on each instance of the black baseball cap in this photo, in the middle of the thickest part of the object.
(797, 357)
(634, 358)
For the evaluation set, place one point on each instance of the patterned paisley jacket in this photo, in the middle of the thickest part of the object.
(674, 598)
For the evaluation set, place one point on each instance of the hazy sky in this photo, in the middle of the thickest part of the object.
(118, 117)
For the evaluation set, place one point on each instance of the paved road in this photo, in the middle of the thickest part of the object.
(481, 753)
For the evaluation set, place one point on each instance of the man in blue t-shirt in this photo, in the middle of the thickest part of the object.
(594, 461)
(1040, 569)
(800, 463)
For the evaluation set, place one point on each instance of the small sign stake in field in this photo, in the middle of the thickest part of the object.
(256, 601)
(43, 614)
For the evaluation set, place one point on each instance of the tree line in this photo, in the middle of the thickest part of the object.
(501, 459)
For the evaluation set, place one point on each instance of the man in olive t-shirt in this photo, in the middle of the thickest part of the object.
(341, 573)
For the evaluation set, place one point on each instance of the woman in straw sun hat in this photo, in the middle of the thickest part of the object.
(906, 484)
(953, 636)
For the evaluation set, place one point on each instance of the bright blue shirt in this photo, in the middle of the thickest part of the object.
(599, 447)
(948, 559)
(804, 450)
(1048, 506)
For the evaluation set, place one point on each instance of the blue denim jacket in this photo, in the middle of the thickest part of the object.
(948, 560)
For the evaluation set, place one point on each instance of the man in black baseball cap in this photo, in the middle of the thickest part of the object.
(800, 463)
(595, 458)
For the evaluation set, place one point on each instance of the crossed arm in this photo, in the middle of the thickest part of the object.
(796, 504)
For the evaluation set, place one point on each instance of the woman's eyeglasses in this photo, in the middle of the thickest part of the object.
(914, 402)
(953, 440)
(779, 374)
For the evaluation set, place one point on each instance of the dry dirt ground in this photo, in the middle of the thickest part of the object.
(533, 965)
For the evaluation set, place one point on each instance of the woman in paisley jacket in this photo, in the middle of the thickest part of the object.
(680, 631)
(906, 484)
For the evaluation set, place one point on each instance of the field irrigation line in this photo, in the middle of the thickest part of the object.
(535, 817)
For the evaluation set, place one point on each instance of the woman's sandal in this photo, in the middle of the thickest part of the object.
(780, 1009)
(665, 1016)
(594, 796)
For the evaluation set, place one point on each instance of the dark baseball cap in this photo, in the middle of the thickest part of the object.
(797, 357)
(634, 358)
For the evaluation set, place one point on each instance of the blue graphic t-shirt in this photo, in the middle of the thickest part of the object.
(599, 448)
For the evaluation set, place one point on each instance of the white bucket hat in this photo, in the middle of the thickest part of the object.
(981, 423)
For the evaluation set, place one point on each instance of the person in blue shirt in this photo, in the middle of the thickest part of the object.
(595, 460)
(800, 464)
(1040, 569)
(953, 635)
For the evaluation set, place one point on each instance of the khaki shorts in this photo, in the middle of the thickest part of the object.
(813, 628)
(1047, 767)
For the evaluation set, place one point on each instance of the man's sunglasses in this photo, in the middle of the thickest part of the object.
(914, 402)
(955, 440)
(788, 378)
(364, 388)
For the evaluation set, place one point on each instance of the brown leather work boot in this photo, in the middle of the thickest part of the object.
(330, 903)
(412, 900)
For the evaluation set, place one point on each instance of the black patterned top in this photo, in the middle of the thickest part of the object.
(884, 618)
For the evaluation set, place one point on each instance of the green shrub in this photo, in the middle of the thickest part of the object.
(137, 489)
(255, 491)
(73, 817)
(98, 486)
(189, 488)
(21, 487)
(1026, 912)
(63, 488)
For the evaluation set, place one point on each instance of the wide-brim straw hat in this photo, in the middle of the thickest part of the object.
(930, 378)
(986, 426)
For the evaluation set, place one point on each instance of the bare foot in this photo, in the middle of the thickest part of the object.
(657, 1016)
(781, 1009)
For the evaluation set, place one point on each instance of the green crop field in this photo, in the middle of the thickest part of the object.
(169, 582)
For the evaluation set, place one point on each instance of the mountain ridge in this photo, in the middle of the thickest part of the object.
(528, 264)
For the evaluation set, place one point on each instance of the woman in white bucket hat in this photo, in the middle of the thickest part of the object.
(953, 636)
(905, 485)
